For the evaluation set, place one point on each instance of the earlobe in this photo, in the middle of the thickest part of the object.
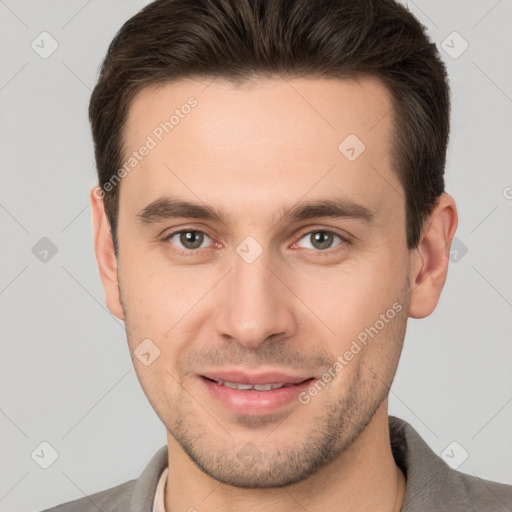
(105, 255)
(429, 265)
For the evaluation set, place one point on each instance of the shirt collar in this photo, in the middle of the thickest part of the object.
(159, 503)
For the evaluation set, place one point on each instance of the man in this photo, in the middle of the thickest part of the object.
(270, 211)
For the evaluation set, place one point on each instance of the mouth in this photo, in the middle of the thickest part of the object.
(245, 386)
(252, 394)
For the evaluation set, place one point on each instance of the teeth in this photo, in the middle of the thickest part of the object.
(255, 387)
(235, 385)
(262, 387)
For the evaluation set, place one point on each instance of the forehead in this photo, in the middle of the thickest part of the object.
(260, 107)
(268, 138)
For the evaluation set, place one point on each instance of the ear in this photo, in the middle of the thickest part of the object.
(430, 259)
(105, 255)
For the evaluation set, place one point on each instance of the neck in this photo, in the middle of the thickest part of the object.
(364, 478)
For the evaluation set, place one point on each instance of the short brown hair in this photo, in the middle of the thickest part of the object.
(236, 39)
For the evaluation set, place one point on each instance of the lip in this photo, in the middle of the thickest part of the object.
(251, 402)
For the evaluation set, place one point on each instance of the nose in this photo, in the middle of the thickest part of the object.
(256, 302)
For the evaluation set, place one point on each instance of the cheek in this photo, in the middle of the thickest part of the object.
(350, 297)
(154, 294)
(162, 304)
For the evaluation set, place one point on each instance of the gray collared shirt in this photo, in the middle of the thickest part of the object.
(432, 486)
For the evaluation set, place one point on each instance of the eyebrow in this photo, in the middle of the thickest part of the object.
(169, 207)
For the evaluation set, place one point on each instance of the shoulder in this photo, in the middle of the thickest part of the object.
(486, 494)
(433, 485)
(115, 499)
(134, 495)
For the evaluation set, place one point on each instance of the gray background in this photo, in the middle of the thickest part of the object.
(66, 375)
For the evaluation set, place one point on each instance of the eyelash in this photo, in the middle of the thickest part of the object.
(326, 252)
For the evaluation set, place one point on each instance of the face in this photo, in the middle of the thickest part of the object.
(259, 246)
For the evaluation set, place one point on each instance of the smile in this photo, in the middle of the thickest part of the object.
(252, 387)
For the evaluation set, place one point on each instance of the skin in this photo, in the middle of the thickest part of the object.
(254, 151)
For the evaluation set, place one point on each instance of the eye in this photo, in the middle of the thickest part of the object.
(190, 239)
(322, 239)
